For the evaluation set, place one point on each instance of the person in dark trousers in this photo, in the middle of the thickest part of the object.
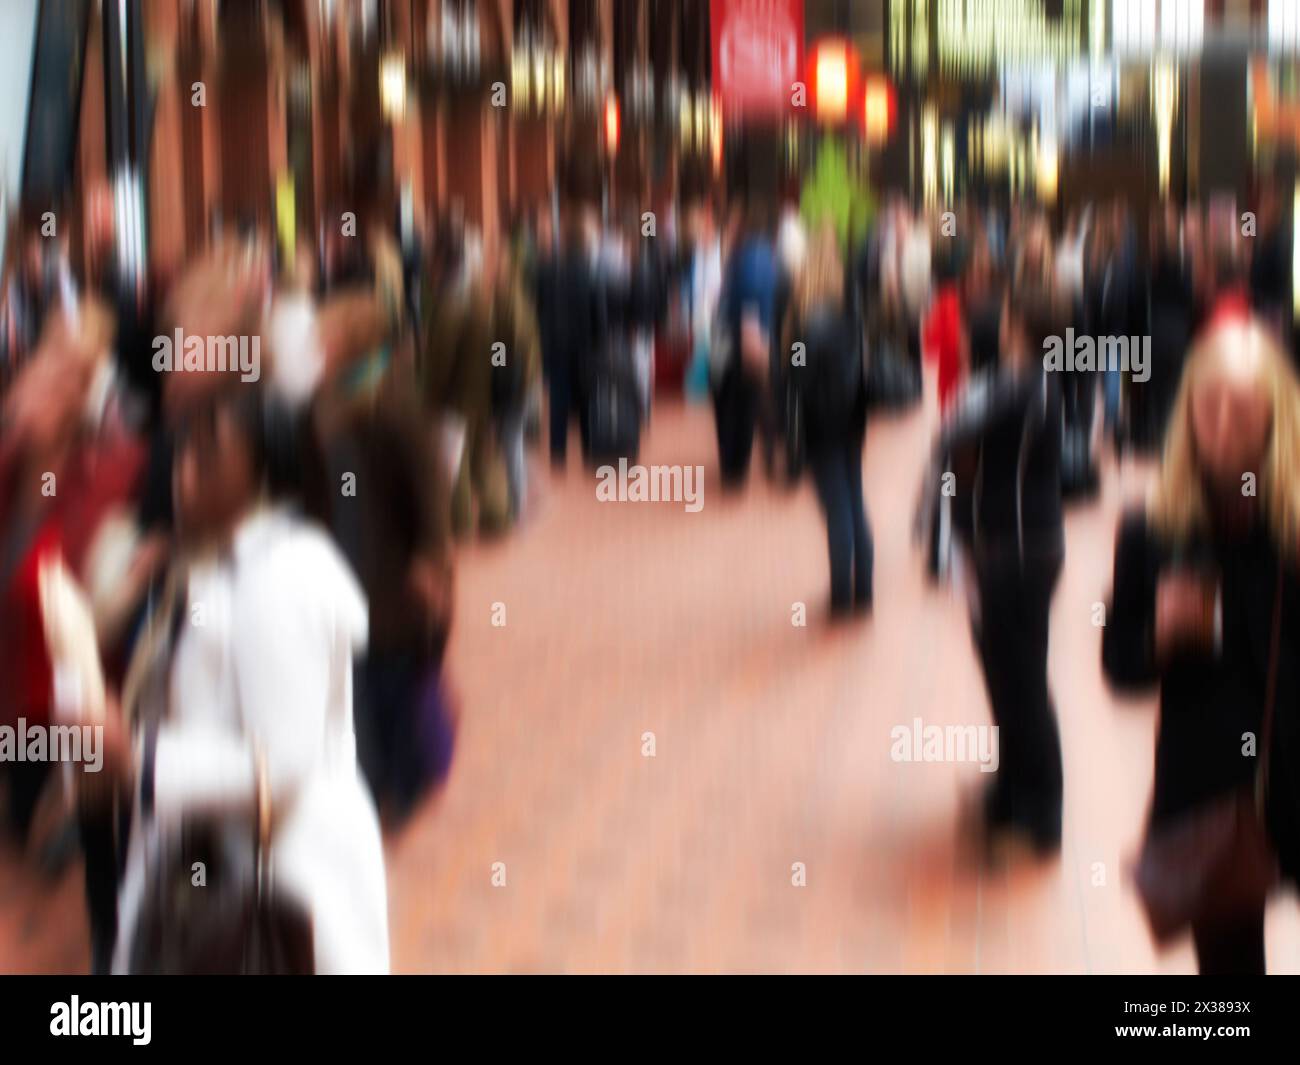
(1002, 443)
(569, 318)
(399, 546)
(1192, 611)
(741, 398)
(832, 398)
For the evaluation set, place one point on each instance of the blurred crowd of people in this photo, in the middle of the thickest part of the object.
(249, 584)
(243, 574)
(253, 570)
(810, 331)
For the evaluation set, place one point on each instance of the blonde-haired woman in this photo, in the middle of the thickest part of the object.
(832, 399)
(1205, 605)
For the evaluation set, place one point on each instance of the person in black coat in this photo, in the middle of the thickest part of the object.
(832, 405)
(570, 319)
(1197, 576)
(1002, 444)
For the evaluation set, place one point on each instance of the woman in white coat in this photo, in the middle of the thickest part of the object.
(260, 622)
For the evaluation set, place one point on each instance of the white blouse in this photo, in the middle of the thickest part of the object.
(264, 661)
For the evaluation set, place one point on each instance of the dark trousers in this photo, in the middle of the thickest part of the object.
(387, 686)
(1232, 949)
(101, 830)
(559, 394)
(736, 405)
(837, 471)
(1015, 604)
(565, 397)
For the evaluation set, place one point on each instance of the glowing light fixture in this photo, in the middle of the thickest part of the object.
(392, 86)
(834, 66)
(878, 110)
(1047, 169)
(611, 123)
(930, 156)
(536, 73)
(1164, 104)
(948, 156)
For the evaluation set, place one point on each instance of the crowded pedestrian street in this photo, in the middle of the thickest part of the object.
(771, 747)
(649, 488)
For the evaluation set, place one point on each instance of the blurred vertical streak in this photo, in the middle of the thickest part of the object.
(55, 95)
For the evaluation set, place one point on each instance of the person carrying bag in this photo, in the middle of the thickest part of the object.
(203, 912)
(1217, 862)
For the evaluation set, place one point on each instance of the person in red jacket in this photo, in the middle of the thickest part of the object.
(945, 332)
(66, 462)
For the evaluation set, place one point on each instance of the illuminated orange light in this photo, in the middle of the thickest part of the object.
(877, 106)
(611, 124)
(832, 81)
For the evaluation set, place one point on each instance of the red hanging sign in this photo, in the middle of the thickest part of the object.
(757, 54)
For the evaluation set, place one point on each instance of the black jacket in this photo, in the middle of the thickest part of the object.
(1208, 701)
(831, 383)
(571, 313)
(1003, 443)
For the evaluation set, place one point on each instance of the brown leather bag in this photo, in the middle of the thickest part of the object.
(1216, 863)
(228, 927)
(234, 924)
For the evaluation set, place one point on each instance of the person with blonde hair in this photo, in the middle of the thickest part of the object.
(831, 391)
(1204, 605)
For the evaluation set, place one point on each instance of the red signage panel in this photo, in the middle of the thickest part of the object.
(757, 54)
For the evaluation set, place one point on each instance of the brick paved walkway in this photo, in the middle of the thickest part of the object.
(771, 748)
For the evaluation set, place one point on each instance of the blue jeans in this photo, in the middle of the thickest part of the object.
(837, 471)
